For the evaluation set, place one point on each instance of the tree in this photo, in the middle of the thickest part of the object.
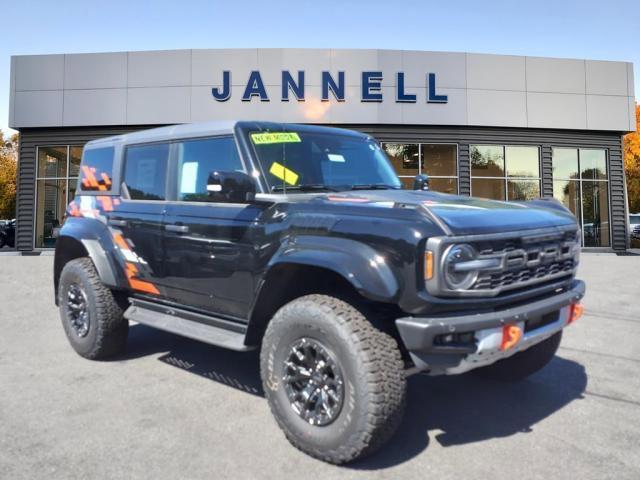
(632, 165)
(8, 175)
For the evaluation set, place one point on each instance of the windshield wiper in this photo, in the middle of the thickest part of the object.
(373, 186)
(309, 187)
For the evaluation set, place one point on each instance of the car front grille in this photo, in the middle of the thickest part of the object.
(527, 260)
(511, 260)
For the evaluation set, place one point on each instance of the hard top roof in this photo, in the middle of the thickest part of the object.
(202, 129)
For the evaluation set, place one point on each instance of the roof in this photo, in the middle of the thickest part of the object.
(206, 129)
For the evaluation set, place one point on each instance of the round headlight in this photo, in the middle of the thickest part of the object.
(456, 276)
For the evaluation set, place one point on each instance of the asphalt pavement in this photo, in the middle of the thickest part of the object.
(175, 408)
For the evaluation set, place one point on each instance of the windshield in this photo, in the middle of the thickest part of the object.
(634, 219)
(321, 161)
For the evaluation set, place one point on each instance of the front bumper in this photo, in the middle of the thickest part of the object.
(419, 334)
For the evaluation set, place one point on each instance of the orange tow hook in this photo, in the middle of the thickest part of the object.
(511, 335)
(575, 312)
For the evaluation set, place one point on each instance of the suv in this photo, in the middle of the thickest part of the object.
(298, 240)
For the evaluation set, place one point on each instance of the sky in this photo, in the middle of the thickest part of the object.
(572, 29)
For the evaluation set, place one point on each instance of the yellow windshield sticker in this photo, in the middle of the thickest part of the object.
(283, 173)
(275, 137)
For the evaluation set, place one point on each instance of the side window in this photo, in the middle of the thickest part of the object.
(197, 159)
(96, 170)
(145, 171)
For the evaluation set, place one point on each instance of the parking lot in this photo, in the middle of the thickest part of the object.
(175, 408)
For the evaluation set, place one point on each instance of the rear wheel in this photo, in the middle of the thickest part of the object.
(335, 384)
(524, 363)
(90, 314)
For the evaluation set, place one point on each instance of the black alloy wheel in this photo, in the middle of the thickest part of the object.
(313, 382)
(77, 310)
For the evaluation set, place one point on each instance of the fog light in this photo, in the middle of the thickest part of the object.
(575, 312)
(511, 335)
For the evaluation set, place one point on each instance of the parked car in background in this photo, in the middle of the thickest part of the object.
(7, 233)
(634, 230)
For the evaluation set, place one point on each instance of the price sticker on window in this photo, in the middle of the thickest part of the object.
(268, 138)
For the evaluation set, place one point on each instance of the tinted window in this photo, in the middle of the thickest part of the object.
(96, 171)
(146, 171)
(197, 159)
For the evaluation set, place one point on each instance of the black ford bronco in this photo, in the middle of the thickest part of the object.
(299, 241)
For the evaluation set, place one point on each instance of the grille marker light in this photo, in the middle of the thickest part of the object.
(511, 335)
(428, 265)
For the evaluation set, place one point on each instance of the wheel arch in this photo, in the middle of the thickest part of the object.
(70, 247)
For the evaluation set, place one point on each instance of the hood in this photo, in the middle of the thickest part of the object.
(463, 215)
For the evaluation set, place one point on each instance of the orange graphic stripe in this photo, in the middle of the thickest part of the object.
(137, 284)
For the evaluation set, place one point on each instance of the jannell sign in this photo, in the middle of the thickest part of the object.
(371, 88)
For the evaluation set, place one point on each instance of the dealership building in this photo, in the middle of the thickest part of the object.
(494, 126)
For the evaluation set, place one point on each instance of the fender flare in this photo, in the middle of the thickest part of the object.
(91, 239)
(359, 264)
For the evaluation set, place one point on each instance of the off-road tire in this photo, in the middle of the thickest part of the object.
(108, 329)
(372, 367)
(523, 364)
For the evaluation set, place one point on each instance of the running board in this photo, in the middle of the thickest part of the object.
(188, 324)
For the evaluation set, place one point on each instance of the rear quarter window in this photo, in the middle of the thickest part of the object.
(96, 170)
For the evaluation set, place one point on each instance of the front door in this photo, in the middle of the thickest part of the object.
(209, 251)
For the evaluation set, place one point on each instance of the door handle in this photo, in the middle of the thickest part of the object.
(177, 228)
(117, 223)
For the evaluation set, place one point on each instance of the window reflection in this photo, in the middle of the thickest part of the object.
(565, 163)
(56, 180)
(492, 188)
(593, 164)
(52, 162)
(52, 196)
(439, 161)
(487, 161)
(595, 214)
(404, 157)
(505, 172)
(580, 183)
(522, 162)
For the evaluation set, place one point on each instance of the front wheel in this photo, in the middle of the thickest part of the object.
(524, 363)
(334, 383)
(90, 314)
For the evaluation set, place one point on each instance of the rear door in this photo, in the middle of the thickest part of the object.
(208, 246)
(137, 223)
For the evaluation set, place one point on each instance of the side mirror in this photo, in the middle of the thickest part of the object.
(234, 187)
(421, 182)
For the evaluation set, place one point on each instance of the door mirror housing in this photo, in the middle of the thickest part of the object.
(233, 187)
(421, 182)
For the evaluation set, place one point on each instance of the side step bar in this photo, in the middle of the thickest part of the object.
(212, 330)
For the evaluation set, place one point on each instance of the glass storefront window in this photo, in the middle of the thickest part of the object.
(522, 162)
(405, 158)
(565, 163)
(487, 161)
(568, 193)
(595, 214)
(439, 161)
(55, 187)
(593, 164)
(580, 183)
(488, 188)
(52, 162)
(505, 172)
